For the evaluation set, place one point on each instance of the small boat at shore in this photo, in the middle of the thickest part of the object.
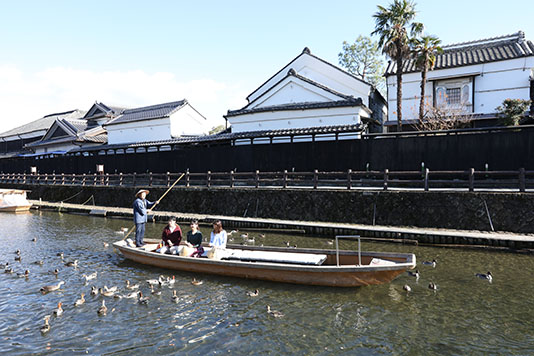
(14, 200)
(334, 268)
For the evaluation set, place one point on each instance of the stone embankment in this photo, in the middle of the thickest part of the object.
(452, 218)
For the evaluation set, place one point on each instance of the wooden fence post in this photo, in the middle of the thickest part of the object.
(46, 178)
(107, 178)
(187, 178)
(315, 179)
(285, 178)
(471, 179)
(120, 179)
(522, 184)
(386, 177)
(349, 178)
(94, 179)
(257, 179)
(150, 179)
(232, 179)
(134, 179)
(208, 179)
(168, 179)
(83, 179)
(427, 171)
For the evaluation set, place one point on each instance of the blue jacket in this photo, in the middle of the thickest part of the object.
(139, 210)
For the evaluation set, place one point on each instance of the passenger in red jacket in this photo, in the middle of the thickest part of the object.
(171, 236)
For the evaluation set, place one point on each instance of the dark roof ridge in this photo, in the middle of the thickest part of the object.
(60, 113)
(519, 36)
(150, 107)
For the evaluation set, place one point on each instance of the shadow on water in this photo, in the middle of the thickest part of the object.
(465, 315)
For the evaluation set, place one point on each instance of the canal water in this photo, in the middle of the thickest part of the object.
(466, 315)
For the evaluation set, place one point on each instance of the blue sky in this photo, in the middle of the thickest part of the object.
(60, 55)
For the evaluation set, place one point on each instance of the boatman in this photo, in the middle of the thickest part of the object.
(140, 215)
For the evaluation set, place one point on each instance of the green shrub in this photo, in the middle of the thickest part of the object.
(511, 111)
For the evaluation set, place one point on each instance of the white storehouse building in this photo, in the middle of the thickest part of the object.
(470, 77)
(310, 93)
(156, 123)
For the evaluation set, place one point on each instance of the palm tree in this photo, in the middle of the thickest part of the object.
(390, 26)
(424, 50)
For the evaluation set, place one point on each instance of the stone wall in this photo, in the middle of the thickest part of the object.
(512, 212)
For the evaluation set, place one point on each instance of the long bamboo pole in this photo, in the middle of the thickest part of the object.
(157, 202)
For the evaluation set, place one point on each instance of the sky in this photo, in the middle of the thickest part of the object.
(62, 55)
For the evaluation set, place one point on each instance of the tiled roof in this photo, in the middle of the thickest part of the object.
(475, 52)
(234, 136)
(78, 125)
(298, 106)
(148, 112)
(43, 123)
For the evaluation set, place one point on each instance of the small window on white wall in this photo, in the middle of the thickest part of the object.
(455, 93)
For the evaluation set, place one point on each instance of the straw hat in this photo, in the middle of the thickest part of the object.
(142, 190)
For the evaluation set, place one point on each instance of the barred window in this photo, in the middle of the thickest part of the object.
(453, 96)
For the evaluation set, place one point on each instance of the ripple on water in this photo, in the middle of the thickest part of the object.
(465, 315)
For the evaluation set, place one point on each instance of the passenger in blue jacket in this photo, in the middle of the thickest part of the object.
(140, 206)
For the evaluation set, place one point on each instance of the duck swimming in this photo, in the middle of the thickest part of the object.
(58, 311)
(90, 277)
(72, 264)
(46, 327)
(111, 289)
(253, 294)
(274, 313)
(407, 288)
(430, 263)
(414, 274)
(80, 301)
(55, 272)
(153, 291)
(103, 310)
(18, 258)
(488, 276)
(432, 286)
(51, 288)
(40, 262)
(94, 291)
(105, 293)
(142, 299)
(34, 239)
(132, 286)
(26, 274)
(196, 282)
(174, 296)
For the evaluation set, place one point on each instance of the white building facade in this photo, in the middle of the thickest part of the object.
(309, 93)
(156, 123)
(472, 78)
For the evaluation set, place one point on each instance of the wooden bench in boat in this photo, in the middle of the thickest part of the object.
(274, 256)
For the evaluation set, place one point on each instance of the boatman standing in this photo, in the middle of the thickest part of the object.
(140, 215)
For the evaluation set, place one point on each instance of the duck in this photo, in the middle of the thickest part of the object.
(142, 299)
(103, 310)
(8, 270)
(17, 252)
(58, 311)
(414, 274)
(232, 232)
(46, 327)
(90, 276)
(432, 286)
(94, 291)
(39, 263)
(111, 289)
(51, 288)
(106, 244)
(18, 258)
(154, 292)
(105, 293)
(274, 313)
(244, 236)
(60, 254)
(34, 239)
(330, 242)
(255, 293)
(132, 295)
(174, 296)
(488, 276)
(196, 282)
(407, 288)
(158, 281)
(131, 286)
(55, 272)
(430, 263)
(171, 281)
(72, 264)
(261, 236)
(26, 274)
(80, 301)
(2, 265)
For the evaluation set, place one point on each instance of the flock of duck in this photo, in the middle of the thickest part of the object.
(128, 291)
(433, 286)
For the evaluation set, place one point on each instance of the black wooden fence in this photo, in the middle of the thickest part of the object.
(469, 180)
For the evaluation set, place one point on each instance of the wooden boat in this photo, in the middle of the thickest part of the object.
(289, 265)
(14, 200)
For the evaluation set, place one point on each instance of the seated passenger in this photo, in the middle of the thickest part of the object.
(171, 237)
(194, 239)
(218, 236)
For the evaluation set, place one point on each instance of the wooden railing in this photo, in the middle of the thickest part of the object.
(426, 180)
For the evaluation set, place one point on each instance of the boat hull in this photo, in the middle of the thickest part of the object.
(16, 209)
(343, 276)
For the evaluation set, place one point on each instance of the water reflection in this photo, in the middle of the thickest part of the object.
(466, 315)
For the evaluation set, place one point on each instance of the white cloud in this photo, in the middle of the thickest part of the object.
(25, 97)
